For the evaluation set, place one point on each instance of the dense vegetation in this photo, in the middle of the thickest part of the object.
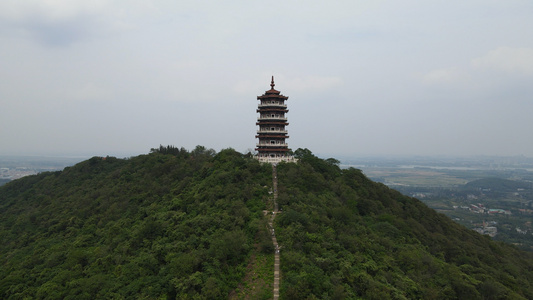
(344, 236)
(171, 223)
(179, 224)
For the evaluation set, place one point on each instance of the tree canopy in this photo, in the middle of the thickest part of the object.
(344, 236)
(179, 224)
(172, 224)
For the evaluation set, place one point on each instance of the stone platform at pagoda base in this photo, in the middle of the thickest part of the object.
(276, 160)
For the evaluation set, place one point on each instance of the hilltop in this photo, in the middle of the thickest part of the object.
(190, 224)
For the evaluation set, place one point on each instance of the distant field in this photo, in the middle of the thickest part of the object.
(414, 177)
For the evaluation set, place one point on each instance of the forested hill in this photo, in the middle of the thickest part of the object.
(497, 184)
(175, 224)
(171, 224)
(352, 237)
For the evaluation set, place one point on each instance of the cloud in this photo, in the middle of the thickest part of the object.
(390, 68)
(89, 91)
(63, 22)
(314, 83)
(451, 75)
(503, 68)
(50, 10)
(507, 59)
(311, 83)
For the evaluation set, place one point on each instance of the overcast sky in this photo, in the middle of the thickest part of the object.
(406, 77)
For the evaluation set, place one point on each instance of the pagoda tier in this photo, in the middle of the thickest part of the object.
(272, 109)
(272, 120)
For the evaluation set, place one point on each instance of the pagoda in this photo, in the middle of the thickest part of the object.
(272, 147)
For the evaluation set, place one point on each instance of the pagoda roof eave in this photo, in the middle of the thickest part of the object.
(272, 136)
(267, 96)
(271, 123)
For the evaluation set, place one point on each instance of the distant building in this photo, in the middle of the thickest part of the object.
(491, 231)
(520, 230)
(272, 147)
(476, 209)
(499, 211)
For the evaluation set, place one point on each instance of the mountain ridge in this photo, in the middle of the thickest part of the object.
(183, 224)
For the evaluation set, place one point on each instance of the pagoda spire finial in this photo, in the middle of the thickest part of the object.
(272, 83)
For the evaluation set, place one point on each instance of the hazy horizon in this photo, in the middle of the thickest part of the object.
(381, 78)
(341, 157)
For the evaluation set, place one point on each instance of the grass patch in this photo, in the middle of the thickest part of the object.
(258, 283)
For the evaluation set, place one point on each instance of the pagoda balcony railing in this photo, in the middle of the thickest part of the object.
(272, 105)
(272, 131)
(272, 145)
(272, 118)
